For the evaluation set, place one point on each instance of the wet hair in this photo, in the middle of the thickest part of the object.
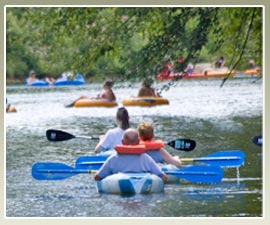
(123, 117)
(108, 83)
(146, 131)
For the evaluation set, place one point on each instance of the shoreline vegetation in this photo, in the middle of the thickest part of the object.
(128, 43)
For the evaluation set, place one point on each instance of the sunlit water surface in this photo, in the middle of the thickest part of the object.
(217, 118)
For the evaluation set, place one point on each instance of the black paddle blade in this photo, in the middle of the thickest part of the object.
(257, 140)
(58, 135)
(183, 144)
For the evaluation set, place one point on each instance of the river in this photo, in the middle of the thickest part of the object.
(217, 118)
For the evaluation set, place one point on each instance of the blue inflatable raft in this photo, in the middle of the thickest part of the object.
(78, 80)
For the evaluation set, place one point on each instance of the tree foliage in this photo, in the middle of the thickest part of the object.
(126, 42)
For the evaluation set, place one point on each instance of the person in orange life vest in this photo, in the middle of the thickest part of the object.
(107, 94)
(132, 159)
(159, 154)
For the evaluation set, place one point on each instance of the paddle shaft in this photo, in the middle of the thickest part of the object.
(60, 171)
(233, 158)
(59, 135)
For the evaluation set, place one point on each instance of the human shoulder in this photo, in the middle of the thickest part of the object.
(116, 130)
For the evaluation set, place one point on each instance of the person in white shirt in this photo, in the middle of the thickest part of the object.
(114, 136)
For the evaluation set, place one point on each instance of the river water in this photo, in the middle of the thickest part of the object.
(217, 118)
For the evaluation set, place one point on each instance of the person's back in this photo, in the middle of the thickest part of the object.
(124, 163)
(129, 163)
(146, 90)
(114, 136)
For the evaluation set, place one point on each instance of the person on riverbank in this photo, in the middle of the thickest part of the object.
(114, 136)
(146, 134)
(146, 89)
(107, 94)
(129, 163)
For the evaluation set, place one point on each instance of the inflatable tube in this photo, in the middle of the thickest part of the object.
(253, 72)
(130, 183)
(94, 103)
(145, 101)
(64, 82)
(130, 149)
(37, 83)
(78, 80)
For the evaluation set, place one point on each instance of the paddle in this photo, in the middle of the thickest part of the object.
(257, 140)
(233, 158)
(60, 171)
(59, 135)
(55, 171)
(182, 144)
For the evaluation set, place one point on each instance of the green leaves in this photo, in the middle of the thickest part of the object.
(126, 41)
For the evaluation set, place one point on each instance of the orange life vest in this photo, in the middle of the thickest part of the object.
(130, 149)
(153, 145)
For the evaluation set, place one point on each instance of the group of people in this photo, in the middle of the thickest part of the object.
(146, 90)
(132, 163)
(32, 77)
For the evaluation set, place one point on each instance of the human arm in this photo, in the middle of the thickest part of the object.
(106, 142)
(154, 168)
(167, 157)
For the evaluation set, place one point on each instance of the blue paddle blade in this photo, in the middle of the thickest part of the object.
(93, 162)
(258, 140)
(54, 171)
(233, 158)
(198, 173)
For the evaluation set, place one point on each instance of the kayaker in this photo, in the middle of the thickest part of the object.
(129, 163)
(114, 136)
(146, 90)
(146, 133)
(107, 94)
